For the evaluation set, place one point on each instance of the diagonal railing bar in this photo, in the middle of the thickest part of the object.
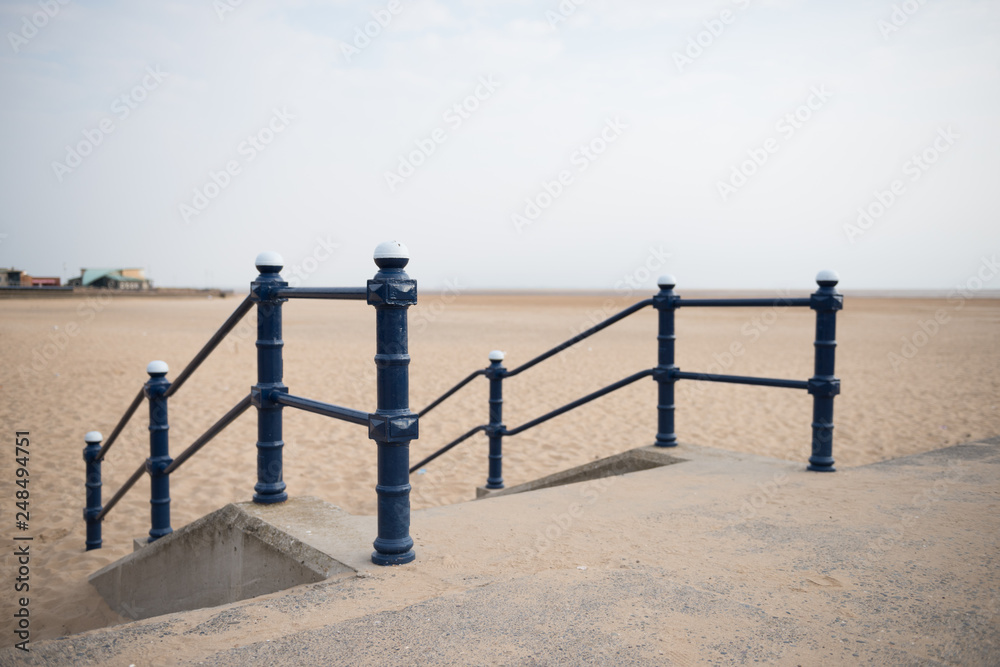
(580, 401)
(444, 449)
(741, 379)
(446, 395)
(320, 408)
(139, 472)
(213, 431)
(212, 343)
(121, 423)
(344, 293)
(580, 336)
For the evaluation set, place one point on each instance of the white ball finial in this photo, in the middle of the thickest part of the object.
(269, 262)
(157, 368)
(93, 437)
(391, 255)
(496, 355)
(827, 277)
(666, 281)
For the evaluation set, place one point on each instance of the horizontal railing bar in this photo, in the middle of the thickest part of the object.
(446, 395)
(213, 431)
(739, 379)
(580, 336)
(212, 343)
(121, 423)
(736, 303)
(580, 401)
(320, 408)
(444, 449)
(352, 293)
(140, 471)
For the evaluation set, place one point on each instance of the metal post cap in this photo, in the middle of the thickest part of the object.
(666, 281)
(269, 262)
(93, 436)
(827, 278)
(496, 355)
(391, 255)
(157, 368)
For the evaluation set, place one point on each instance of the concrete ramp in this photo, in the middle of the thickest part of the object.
(238, 552)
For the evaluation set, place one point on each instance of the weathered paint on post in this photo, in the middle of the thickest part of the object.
(159, 450)
(494, 429)
(665, 303)
(93, 485)
(824, 386)
(270, 487)
(392, 426)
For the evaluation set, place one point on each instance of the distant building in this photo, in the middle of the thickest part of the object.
(37, 281)
(125, 279)
(12, 277)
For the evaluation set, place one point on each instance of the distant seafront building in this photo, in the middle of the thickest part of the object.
(18, 278)
(123, 279)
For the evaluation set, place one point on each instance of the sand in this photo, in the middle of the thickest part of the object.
(904, 391)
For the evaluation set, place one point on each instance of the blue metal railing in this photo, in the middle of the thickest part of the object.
(391, 425)
(823, 386)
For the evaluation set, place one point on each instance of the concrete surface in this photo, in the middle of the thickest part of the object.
(228, 555)
(724, 559)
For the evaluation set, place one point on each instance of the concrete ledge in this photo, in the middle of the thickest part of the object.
(229, 555)
(634, 460)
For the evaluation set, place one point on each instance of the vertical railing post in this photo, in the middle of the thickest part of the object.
(824, 386)
(159, 450)
(494, 430)
(392, 426)
(93, 485)
(665, 303)
(270, 487)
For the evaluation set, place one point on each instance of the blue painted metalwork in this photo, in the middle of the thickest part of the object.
(742, 379)
(392, 426)
(495, 429)
(133, 406)
(457, 441)
(321, 408)
(159, 451)
(665, 373)
(824, 385)
(270, 487)
(93, 485)
(343, 293)
(741, 303)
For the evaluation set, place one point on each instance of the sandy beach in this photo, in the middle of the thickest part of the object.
(917, 375)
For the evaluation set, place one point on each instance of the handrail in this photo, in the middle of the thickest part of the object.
(741, 379)
(580, 401)
(133, 406)
(139, 472)
(580, 336)
(348, 293)
(446, 395)
(212, 343)
(708, 303)
(444, 449)
(213, 431)
(321, 408)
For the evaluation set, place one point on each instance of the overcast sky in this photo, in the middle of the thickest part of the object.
(513, 144)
